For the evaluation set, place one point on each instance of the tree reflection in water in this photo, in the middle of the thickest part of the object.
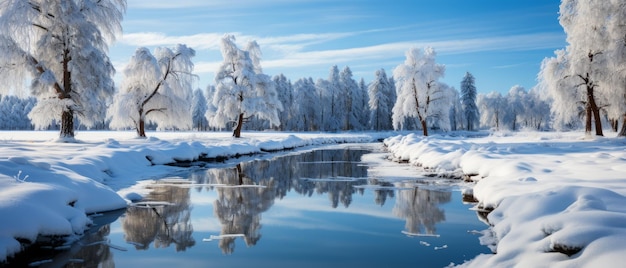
(247, 190)
(420, 208)
(164, 224)
(239, 208)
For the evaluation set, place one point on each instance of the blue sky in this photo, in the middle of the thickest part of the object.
(500, 42)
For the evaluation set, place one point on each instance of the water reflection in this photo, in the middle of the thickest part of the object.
(239, 208)
(331, 172)
(166, 224)
(421, 210)
(334, 173)
(245, 191)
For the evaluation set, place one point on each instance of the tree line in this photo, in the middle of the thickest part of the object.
(61, 47)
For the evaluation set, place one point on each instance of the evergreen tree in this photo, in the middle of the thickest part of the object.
(363, 104)
(349, 98)
(468, 101)
(379, 94)
(307, 106)
(198, 110)
(284, 89)
(337, 118)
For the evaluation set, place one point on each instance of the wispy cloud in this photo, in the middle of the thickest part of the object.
(179, 4)
(295, 48)
(308, 50)
(197, 41)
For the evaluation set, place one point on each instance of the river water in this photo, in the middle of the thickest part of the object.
(338, 206)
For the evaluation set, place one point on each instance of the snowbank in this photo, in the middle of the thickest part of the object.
(558, 200)
(49, 187)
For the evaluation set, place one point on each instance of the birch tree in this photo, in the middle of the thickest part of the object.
(155, 89)
(61, 46)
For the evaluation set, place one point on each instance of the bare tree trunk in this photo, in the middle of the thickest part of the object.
(622, 132)
(141, 125)
(424, 127)
(67, 116)
(67, 124)
(614, 124)
(237, 132)
(596, 112)
(141, 128)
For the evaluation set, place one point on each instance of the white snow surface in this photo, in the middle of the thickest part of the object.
(548, 191)
(48, 187)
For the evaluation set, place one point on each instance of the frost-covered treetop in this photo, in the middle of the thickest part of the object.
(420, 66)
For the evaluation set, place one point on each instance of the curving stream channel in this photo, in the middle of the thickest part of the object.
(335, 206)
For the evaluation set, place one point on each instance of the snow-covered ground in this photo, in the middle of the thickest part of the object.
(558, 199)
(550, 192)
(48, 187)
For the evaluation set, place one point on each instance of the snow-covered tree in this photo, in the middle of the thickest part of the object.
(516, 99)
(577, 76)
(307, 114)
(61, 46)
(420, 93)
(362, 101)
(616, 55)
(536, 113)
(242, 90)
(284, 89)
(379, 92)
(334, 102)
(457, 115)
(493, 110)
(211, 108)
(155, 89)
(350, 98)
(328, 105)
(14, 112)
(198, 110)
(468, 101)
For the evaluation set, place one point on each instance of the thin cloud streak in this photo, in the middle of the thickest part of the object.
(293, 55)
(181, 4)
(290, 51)
(446, 47)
